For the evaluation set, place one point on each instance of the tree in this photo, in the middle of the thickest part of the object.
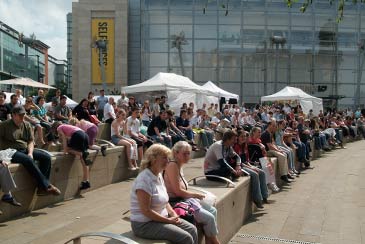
(177, 41)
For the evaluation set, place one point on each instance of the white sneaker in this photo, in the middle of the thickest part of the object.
(274, 187)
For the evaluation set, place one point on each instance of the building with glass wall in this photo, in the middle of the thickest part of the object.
(57, 71)
(254, 48)
(19, 60)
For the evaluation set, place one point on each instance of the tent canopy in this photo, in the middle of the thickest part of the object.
(307, 102)
(179, 90)
(167, 82)
(23, 81)
(210, 86)
(69, 102)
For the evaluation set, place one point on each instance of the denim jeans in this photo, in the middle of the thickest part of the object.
(166, 140)
(41, 173)
(301, 151)
(258, 184)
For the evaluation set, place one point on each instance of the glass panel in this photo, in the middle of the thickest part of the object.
(346, 76)
(181, 4)
(205, 74)
(233, 17)
(177, 70)
(210, 17)
(232, 59)
(156, 31)
(252, 92)
(155, 17)
(300, 76)
(253, 18)
(157, 45)
(301, 61)
(229, 74)
(253, 75)
(278, 18)
(205, 60)
(186, 58)
(177, 29)
(206, 46)
(281, 75)
(181, 17)
(158, 59)
(253, 61)
(301, 19)
(155, 4)
(205, 31)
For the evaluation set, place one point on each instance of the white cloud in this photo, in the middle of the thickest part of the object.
(45, 18)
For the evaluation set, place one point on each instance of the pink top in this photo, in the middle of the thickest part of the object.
(68, 130)
(85, 125)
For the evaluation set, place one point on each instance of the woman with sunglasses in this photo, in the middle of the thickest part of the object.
(29, 107)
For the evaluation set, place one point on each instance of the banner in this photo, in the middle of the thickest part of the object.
(102, 29)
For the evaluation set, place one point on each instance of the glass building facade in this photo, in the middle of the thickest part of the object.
(12, 59)
(255, 47)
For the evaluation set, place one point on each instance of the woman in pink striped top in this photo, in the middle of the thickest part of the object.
(76, 142)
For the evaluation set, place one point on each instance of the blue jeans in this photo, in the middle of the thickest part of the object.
(258, 184)
(166, 140)
(41, 173)
(301, 151)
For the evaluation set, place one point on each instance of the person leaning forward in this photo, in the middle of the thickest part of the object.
(18, 134)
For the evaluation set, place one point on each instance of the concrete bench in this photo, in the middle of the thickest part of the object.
(66, 174)
(233, 204)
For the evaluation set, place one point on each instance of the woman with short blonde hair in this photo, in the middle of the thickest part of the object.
(177, 188)
(152, 217)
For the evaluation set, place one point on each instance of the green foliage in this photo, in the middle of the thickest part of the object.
(340, 8)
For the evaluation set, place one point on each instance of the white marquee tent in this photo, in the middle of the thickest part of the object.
(305, 100)
(210, 86)
(177, 88)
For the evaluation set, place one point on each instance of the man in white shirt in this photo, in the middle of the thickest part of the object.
(109, 113)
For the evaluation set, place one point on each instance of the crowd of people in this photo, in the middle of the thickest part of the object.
(159, 143)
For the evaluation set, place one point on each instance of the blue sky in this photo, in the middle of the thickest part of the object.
(45, 18)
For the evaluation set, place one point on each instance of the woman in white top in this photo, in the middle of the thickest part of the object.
(146, 113)
(117, 128)
(152, 217)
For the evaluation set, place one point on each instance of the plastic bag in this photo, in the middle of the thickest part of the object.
(6, 155)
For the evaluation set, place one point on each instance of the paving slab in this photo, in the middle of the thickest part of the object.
(324, 205)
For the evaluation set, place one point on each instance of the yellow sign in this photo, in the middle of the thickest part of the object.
(102, 29)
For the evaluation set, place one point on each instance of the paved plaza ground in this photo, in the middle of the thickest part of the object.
(324, 205)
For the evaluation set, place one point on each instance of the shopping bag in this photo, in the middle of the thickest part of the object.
(268, 168)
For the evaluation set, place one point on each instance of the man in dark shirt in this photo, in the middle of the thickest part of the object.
(183, 124)
(4, 110)
(13, 102)
(159, 131)
(274, 151)
(18, 134)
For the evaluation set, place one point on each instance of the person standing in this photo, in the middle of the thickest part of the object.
(100, 103)
(109, 112)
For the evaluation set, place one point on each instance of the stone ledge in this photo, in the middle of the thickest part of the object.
(66, 174)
